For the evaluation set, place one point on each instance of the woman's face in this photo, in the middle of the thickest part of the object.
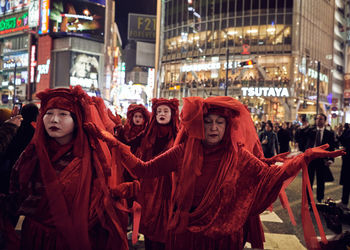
(268, 127)
(214, 129)
(163, 115)
(59, 125)
(138, 119)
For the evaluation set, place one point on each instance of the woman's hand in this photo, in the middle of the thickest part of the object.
(101, 134)
(320, 152)
(277, 158)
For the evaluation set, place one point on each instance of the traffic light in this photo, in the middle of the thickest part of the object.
(246, 64)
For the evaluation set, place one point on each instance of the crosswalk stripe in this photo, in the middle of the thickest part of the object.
(268, 216)
(280, 242)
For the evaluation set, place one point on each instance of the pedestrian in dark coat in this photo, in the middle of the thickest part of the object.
(301, 133)
(345, 168)
(317, 136)
(283, 136)
(269, 141)
(18, 143)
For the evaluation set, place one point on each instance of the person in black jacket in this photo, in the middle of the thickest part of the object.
(317, 136)
(345, 168)
(301, 133)
(269, 141)
(283, 136)
(18, 143)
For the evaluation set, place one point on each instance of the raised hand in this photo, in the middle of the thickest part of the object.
(320, 152)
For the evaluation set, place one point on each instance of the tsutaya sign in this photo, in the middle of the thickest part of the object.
(265, 91)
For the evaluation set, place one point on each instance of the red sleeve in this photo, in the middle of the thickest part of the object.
(162, 165)
(269, 179)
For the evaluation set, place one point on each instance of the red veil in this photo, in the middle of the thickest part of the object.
(241, 131)
(217, 212)
(92, 163)
(155, 194)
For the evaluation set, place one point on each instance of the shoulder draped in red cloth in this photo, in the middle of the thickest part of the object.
(79, 213)
(241, 188)
(155, 193)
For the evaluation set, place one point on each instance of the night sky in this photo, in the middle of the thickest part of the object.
(123, 7)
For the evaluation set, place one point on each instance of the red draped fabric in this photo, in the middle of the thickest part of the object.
(154, 195)
(75, 210)
(131, 131)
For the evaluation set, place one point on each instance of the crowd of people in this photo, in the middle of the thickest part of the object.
(202, 177)
(286, 137)
(231, 82)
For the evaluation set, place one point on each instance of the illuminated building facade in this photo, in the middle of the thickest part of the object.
(58, 43)
(208, 42)
(14, 49)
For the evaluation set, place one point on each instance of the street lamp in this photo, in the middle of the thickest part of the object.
(227, 61)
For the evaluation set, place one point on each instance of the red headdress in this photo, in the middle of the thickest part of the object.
(240, 130)
(92, 163)
(154, 129)
(106, 116)
(130, 130)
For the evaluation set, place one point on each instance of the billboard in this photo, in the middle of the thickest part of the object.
(84, 70)
(142, 27)
(13, 23)
(77, 18)
(8, 6)
(145, 54)
(33, 13)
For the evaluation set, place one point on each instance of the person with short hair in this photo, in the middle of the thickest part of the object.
(317, 136)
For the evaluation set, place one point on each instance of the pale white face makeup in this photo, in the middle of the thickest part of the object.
(214, 129)
(138, 119)
(163, 115)
(59, 124)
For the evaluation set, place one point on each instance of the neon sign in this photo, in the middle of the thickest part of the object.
(14, 23)
(45, 12)
(32, 63)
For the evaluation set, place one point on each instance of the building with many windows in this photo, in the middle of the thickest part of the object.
(267, 51)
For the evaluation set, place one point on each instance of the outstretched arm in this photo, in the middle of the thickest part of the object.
(159, 166)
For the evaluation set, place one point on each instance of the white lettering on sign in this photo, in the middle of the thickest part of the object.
(83, 82)
(200, 67)
(265, 91)
(32, 63)
(43, 69)
(313, 74)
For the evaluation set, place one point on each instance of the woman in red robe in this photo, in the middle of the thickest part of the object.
(218, 182)
(135, 126)
(60, 182)
(154, 196)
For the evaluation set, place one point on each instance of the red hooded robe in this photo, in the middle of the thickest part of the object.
(132, 134)
(155, 193)
(63, 189)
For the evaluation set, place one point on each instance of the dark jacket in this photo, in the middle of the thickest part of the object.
(301, 137)
(344, 140)
(17, 145)
(328, 138)
(7, 132)
(283, 139)
(272, 143)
